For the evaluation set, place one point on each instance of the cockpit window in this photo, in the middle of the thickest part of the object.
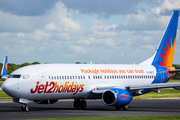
(14, 76)
(26, 76)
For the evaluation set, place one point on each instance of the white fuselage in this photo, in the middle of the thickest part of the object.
(65, 81)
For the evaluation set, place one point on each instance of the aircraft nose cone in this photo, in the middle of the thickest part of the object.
(8, 87)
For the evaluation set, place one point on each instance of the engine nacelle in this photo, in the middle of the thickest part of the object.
(116, 97)
(47, 101)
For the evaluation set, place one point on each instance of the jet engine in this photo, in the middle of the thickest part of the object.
(116, 97)
(47, 101)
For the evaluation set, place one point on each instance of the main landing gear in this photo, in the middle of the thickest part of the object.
(79, 104)
(24, 108)
(124, 107)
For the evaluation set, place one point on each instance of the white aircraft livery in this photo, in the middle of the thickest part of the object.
(115, 84)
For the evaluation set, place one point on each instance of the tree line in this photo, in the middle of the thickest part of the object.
(12, 67)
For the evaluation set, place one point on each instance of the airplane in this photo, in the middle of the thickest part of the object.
(115, 84)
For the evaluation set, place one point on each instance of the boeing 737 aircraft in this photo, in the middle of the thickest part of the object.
(115, 84)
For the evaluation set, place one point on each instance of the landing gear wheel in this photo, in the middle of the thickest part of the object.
(83, 104)
(118, 107)
(79, 104)
(125, 107)
(76, 104)
(24, 108)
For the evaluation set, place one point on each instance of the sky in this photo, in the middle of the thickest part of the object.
(69, 31)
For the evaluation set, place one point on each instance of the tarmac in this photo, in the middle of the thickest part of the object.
(95, 108)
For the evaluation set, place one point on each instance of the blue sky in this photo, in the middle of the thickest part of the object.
(67, 31)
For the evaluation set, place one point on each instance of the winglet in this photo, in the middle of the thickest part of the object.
(4, 71)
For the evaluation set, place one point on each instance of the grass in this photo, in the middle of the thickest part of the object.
(174, 117)
(173, 81)
(3, 95)
(165, 93)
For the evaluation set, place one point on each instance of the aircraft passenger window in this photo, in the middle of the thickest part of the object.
(57, 77)
(114, 77)
(62, 77)
(89, 77)
(67, 77)
(75, 77)
(83, 77)
(110, 76)
(49, 77)
(70, 77)
(104, 77)
(100, 77)
(52, 77)
(107, 77)
(94, 77)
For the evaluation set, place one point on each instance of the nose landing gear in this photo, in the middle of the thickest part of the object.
(24, 108)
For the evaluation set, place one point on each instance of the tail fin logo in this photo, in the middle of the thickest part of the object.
(169, 53)
(5, 67)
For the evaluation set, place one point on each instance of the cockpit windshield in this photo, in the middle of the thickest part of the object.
(26, 76)
(14, 76)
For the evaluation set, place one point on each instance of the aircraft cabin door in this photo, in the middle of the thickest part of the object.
(42, 76)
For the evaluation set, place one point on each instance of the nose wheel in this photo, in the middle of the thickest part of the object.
(79, 104)
(24, 108)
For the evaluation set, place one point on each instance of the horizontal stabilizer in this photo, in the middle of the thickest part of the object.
(174, 71)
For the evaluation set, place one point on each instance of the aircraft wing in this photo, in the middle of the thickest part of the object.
(136, 89)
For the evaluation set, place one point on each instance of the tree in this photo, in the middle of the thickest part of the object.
(25, 64)
(78, 62)
(34, 63)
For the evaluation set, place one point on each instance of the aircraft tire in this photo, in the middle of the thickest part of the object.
(118, 107)
(24, 108)
(125, 107)
(83, 104)
(76, 104)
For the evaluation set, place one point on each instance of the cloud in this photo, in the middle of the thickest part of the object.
(40, 35)
(26, 8)
(103, 8)
(51, 26)
(58, 35)
(20, 34)
(4, 34)
(78, 49)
